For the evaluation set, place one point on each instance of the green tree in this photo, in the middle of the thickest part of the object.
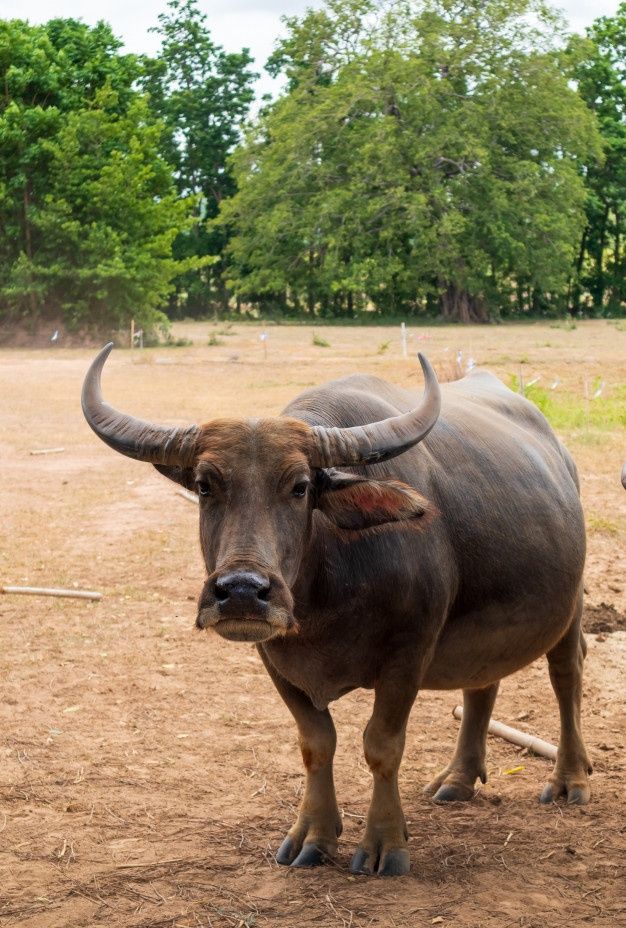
(424, 154)
(88, 208)
(601, 74)
(202, 94)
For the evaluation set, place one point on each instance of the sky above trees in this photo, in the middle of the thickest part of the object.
(254, 24)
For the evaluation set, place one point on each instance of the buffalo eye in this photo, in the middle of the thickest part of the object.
(203, 488)
(299, 489)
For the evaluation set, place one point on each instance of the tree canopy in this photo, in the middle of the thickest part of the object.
(202, 94)
(460, 158)
(601, 76)
(426, 152)
(88, 205)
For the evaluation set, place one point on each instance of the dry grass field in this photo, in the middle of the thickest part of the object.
(148, 772)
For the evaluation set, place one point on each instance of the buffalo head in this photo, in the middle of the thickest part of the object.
(258, 482)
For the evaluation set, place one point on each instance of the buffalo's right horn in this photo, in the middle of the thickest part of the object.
(134, 437)
(379, 441)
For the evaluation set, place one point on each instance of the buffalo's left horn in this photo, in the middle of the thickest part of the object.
(378, 441)
(134, 437)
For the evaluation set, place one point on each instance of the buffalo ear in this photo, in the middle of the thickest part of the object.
(355, 502)
(182, 475)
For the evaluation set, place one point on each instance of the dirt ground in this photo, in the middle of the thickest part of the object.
(149, 772)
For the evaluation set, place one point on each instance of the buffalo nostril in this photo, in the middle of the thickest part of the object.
(241, 590)
(221, 593)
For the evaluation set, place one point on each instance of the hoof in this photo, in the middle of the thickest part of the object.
(286, 852)
(576, 795)
(359, 862)
(311, 856)
(453, 792)
(396, 862)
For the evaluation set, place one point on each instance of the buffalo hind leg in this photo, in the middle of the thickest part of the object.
(570, 777)
(312, 839)
(384, 848)
(457, 781)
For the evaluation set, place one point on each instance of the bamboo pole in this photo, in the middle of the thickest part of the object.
(48, 451)
(47, 591)
(186, 494)
(515, 736)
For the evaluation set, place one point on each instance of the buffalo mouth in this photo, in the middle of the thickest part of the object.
(276, 623)
(252, 630)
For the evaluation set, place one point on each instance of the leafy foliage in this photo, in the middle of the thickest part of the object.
(202, 94)
(601, 74)
(88, 206)
(426, 154)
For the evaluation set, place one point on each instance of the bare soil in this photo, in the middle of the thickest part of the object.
(149, 772)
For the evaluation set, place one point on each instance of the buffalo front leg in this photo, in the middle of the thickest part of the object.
(312, 839)
(384, 848)
(458, 779)
(570, 777)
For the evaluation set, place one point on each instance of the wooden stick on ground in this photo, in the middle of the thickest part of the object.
(46, 591)
(515, 736)
(49, 451)
(186, 494)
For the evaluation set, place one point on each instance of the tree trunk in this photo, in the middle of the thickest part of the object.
(457, 305)
(576, 287)
(600, 283)
(28, 244)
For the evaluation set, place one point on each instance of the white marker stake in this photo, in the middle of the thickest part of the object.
(263, 339)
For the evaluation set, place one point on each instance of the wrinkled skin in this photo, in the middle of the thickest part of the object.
(450, 566)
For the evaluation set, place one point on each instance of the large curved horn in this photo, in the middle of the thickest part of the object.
(134, 437)
(379, 441)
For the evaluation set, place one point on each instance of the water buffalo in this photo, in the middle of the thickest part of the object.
(447, 552)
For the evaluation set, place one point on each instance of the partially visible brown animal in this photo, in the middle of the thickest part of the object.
(447, 552)
(624, 475)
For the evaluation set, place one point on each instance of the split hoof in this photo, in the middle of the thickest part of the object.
(394, 862)
(292, 854)
(576, 795)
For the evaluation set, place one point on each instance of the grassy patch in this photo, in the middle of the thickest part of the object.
(320, 342)
(383, 347)
(214, 340)
(568, 325)
(600, 525)
(566, 411)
